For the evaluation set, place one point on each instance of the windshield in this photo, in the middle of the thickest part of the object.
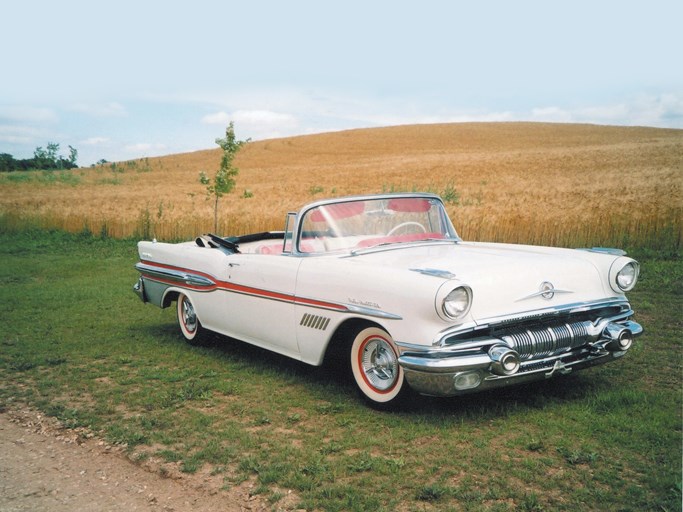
(361, 224)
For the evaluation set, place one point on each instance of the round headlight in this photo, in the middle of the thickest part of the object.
(624, 274)
(627, 276)
(457, 303)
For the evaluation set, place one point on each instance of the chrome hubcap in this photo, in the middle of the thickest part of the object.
(189, 316)
(379, 364)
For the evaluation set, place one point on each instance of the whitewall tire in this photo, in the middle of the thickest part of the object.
(189, 324)
(375, 368)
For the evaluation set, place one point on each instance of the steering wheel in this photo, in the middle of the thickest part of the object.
(405, 224)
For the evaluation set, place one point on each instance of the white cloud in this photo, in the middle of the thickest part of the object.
(664, 110)
(258, 124)
(24, 114)
(251, 117)
(13, 134)
(111, 109)
(145, 148)
(659, 110)
(94, 141)
(265, 113)
(551, 115)
(14, 139)
(264, 118)
(221, 118)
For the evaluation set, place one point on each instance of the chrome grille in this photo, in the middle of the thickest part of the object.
(544, 340)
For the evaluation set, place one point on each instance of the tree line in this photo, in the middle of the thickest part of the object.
(46, 159)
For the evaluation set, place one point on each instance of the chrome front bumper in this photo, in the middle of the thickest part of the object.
(477, 365)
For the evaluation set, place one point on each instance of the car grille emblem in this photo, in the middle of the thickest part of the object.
(547, 290)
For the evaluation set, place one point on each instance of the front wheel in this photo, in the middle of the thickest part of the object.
(190, 327)
(375, 368)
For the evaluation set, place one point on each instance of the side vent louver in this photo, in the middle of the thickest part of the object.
(315, 322)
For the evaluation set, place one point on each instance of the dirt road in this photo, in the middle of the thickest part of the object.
(44, 467)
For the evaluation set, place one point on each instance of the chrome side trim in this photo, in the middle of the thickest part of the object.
(362, 310)
(177, 276)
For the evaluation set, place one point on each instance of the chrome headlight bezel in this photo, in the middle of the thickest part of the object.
(456, 304)
(623, 274)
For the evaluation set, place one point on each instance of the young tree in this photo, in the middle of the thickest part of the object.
(224, 180)
(73, 156)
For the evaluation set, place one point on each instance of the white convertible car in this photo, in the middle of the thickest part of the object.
(385, 282)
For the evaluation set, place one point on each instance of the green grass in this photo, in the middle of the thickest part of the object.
(42, 177)
(77, 344)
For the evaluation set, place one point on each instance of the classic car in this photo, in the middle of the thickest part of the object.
(386, 282)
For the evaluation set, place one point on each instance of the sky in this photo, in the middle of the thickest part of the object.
(133, 79)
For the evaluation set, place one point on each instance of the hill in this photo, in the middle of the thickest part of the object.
(555, 184)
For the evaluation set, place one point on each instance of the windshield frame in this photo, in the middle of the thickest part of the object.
(447, 232)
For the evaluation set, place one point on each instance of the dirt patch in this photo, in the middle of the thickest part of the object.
(46, 467)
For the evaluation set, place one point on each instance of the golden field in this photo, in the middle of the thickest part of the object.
(550, 184)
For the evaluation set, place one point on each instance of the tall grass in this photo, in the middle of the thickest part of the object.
(659, 232)
(655, 231)
(564, 185)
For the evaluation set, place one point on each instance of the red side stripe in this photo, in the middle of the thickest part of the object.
(237, 288)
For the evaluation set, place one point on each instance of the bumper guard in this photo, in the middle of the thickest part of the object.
(491, 363)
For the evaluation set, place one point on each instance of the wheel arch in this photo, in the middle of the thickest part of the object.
(170, 296)
(340, 342)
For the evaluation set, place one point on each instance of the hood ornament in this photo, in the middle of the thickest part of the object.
(547, 291)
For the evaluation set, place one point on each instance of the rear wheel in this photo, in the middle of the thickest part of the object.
(375, 368)
(190, 327)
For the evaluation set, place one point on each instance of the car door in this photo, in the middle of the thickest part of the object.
(259, 305)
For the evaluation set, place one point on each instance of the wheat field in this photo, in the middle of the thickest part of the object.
(549, 184)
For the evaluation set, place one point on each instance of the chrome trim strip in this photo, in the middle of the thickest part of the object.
(174, 275)
(444, 365)
(191, 279)
(362, 310)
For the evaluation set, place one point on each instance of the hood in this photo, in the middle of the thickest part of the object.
(505, 279)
